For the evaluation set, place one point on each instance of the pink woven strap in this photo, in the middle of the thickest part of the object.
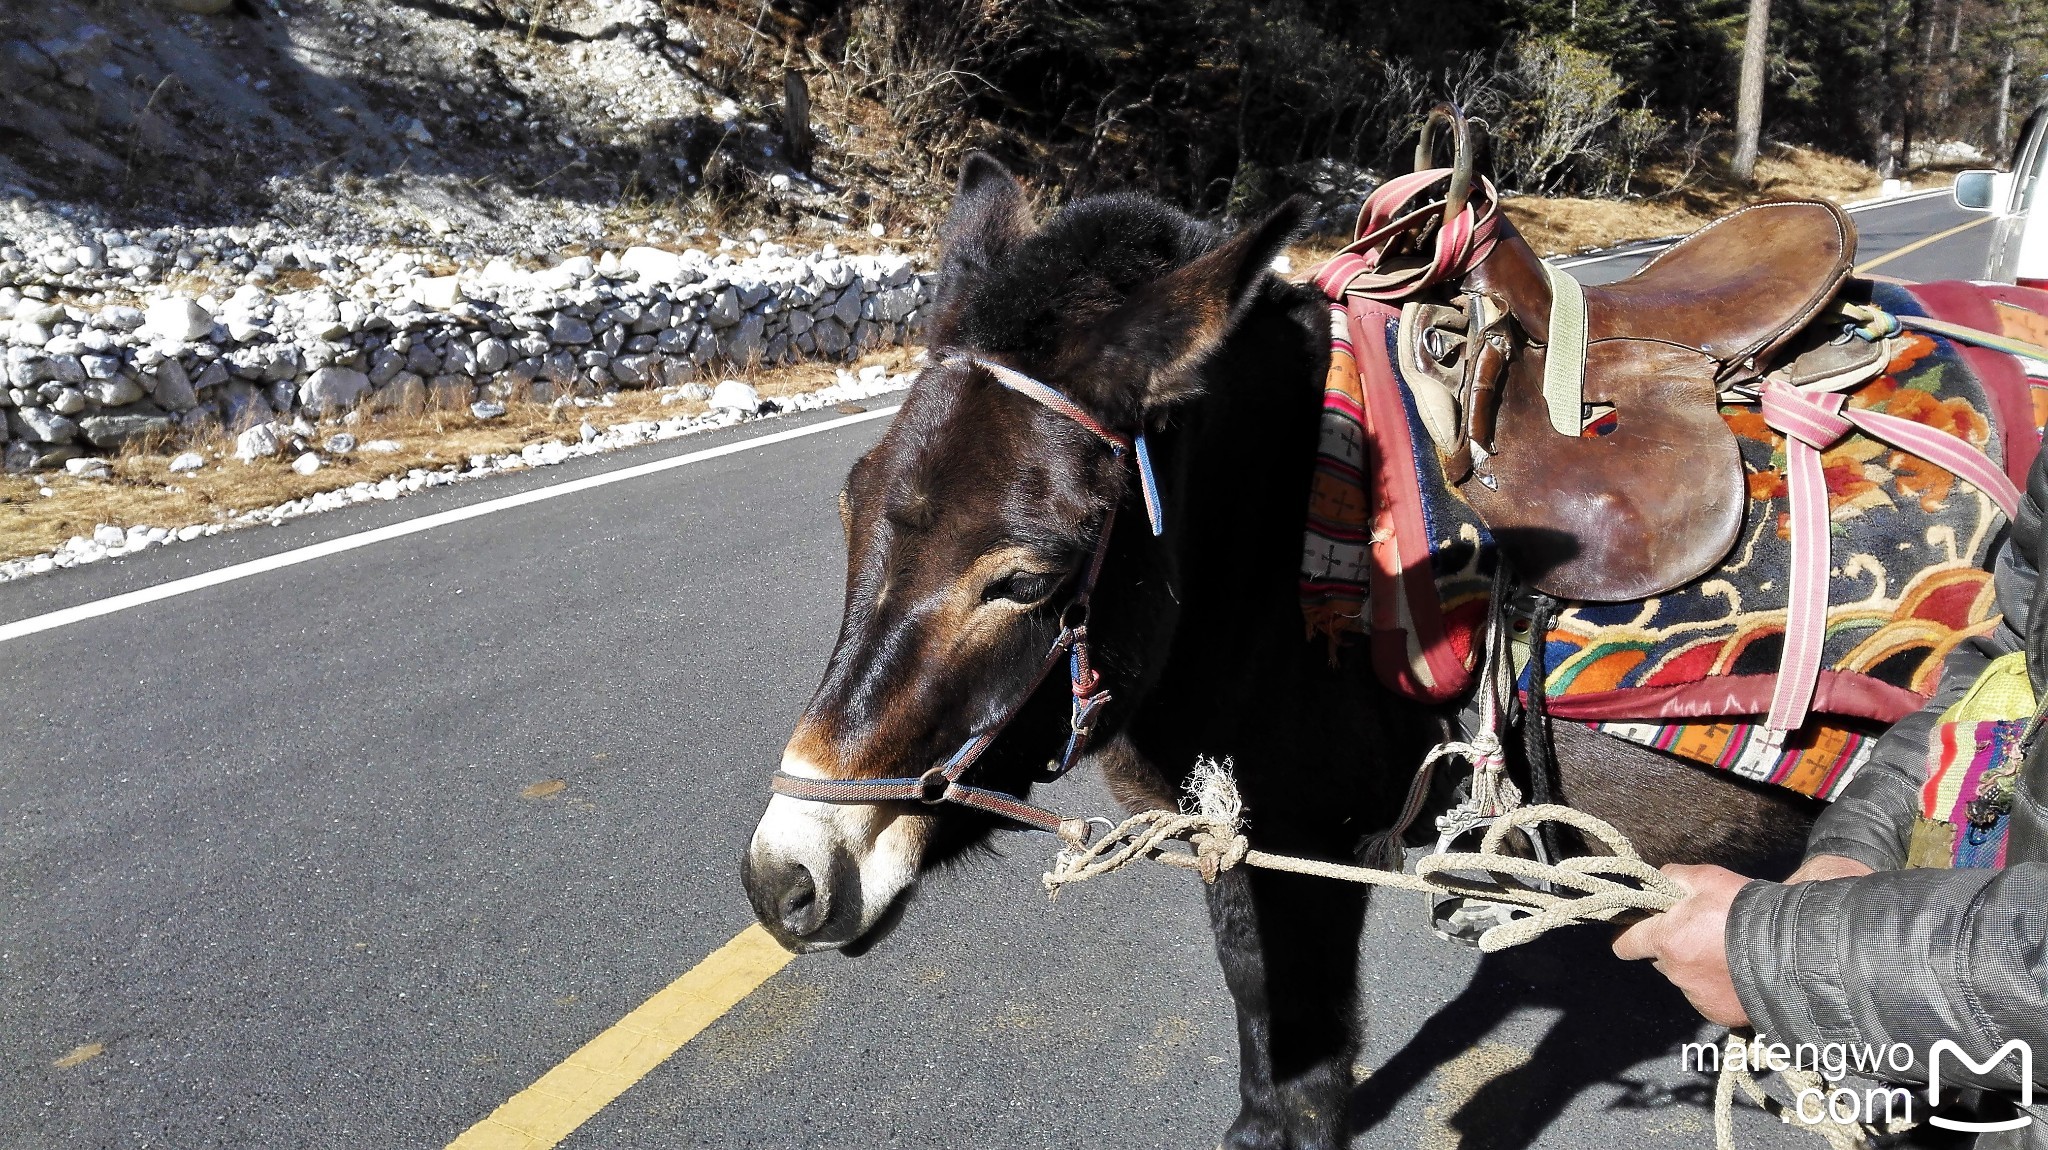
(1812, 418)
(1811, 422)
(1334, 278)
(1404, 207)
(1946, 452)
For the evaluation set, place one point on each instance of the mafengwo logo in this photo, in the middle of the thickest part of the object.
(2026, 1078)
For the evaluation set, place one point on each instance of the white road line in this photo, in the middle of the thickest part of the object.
(1909, 197)
(108, 606)
(1654, 246)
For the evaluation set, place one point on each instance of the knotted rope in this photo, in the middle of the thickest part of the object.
(1589, 888)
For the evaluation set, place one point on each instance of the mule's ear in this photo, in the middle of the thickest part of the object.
(1176, 322)
(988, 215)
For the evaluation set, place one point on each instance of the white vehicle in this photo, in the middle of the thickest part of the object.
(2019, 239)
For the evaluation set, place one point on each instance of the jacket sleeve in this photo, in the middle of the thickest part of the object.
(1909, 957)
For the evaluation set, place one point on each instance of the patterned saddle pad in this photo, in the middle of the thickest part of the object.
(1692, 671)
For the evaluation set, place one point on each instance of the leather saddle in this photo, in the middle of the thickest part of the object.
(1584, 425)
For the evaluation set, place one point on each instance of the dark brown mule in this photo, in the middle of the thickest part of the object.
(967, 529)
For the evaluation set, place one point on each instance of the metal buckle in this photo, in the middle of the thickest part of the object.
(933, 784)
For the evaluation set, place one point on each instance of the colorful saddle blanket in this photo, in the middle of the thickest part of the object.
(1692, 671)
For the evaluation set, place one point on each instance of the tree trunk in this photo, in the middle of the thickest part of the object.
(1909, 96)
(796, 119)
(2004, 101)
(1749, 102)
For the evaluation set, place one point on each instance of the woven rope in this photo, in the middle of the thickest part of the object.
(1582, 889)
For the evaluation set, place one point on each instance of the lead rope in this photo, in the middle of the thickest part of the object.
(1595, 888)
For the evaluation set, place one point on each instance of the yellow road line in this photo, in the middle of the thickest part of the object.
(1916, 245)
(564, 1098)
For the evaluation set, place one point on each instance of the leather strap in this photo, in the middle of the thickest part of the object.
(944, 783)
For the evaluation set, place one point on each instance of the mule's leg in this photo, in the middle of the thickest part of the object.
(1289, 948)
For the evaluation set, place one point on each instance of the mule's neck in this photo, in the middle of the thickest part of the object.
(1212, 609)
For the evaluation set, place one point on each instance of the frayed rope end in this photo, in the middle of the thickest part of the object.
(1211, 792)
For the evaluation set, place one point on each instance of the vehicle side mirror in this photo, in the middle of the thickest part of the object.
(1976, 189)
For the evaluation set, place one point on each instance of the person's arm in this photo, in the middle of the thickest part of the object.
(1869, 825)
(1910, 957)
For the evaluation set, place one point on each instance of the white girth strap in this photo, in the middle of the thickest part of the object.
(1564, 363)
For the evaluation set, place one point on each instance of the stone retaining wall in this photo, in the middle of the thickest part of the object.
(82, 381)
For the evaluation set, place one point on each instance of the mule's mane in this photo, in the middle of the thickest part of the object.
(1017, 299)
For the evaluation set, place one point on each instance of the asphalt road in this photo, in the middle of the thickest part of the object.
(266, 844)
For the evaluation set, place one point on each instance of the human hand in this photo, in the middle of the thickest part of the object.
(1823, 867)
(1687, 944)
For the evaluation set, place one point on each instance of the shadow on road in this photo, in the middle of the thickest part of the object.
(1607, 1023)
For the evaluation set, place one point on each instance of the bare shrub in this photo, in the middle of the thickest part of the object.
(1562, 101)
(923, 60)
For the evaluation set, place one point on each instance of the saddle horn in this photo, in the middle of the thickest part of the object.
(1464, 153)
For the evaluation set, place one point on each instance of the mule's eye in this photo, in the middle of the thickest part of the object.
(1020, 587)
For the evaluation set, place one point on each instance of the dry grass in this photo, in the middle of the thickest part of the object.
(1559, 226)
(144, 491)
(1563, 225)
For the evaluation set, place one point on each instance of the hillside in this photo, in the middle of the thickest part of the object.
(455, 226)
(473, 127)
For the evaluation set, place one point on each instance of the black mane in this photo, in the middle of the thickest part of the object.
(1017, 300)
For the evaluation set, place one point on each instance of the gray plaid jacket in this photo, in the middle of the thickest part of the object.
(1918, 956)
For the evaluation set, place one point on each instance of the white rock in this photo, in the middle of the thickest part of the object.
(340, 444)
(88, 468)
(107, 535)
(332, 390)
(732, 395)
(188, 461)
(653, 265)
(383, 447)
(177, 320)
(259, 442)
(306, 464)
(441, 293)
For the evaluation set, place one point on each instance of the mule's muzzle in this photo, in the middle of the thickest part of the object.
(787, 899)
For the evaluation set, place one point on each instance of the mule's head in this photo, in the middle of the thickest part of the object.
(970, 524)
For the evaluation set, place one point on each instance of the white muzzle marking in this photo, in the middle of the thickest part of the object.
(884, 844)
